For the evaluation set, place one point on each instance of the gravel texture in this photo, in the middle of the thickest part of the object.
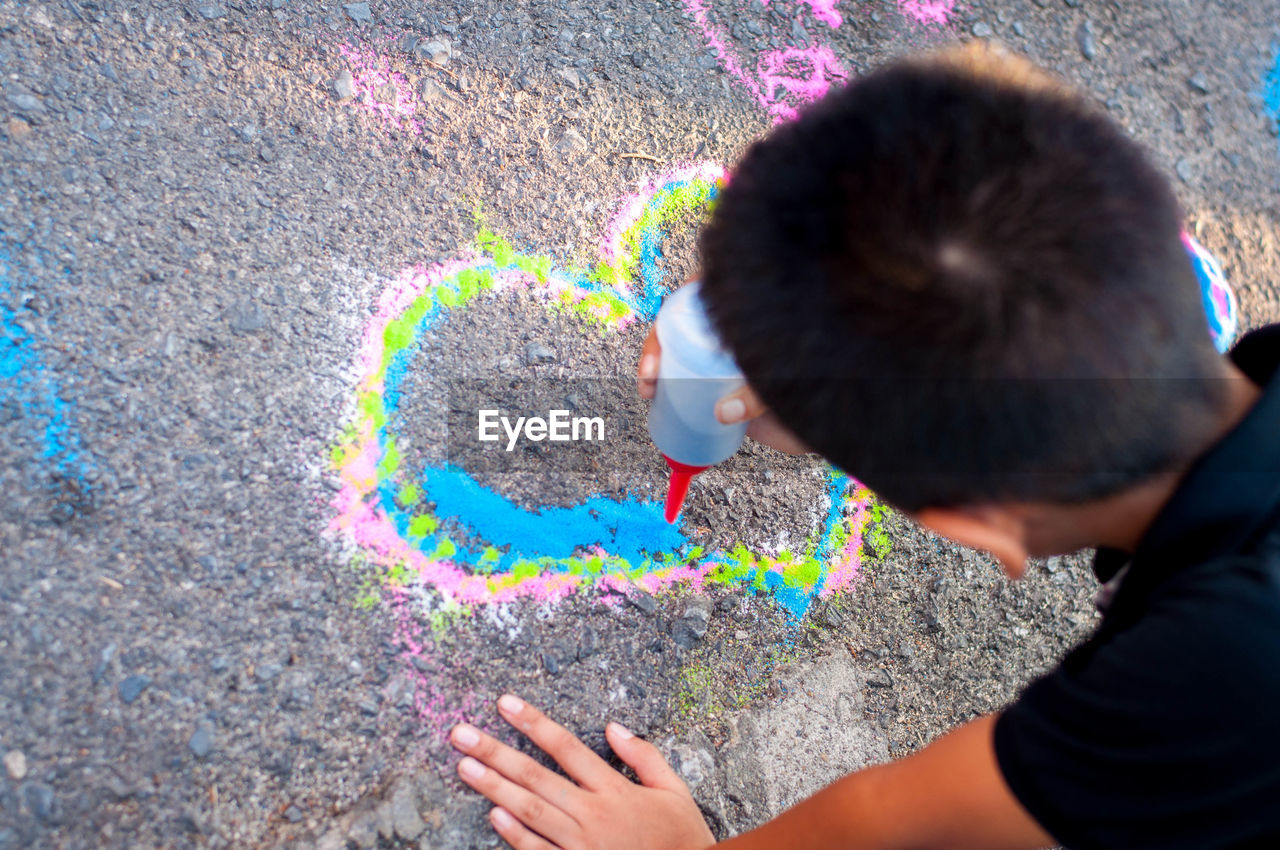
(198, 207)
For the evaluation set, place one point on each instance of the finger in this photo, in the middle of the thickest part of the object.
(530, 809)
(740, 405)
(577, 759)
(650, 767)
(769, 430)
(515, 833)
(516, 766)
(647, 372)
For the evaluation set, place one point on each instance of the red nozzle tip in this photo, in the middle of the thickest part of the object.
(678, 486)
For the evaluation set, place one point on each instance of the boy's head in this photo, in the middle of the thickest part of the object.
(965, 285)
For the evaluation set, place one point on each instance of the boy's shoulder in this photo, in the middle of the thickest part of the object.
(1160, 730)
(1161, 733)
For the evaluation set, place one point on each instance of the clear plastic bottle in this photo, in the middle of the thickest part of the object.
(694, 372)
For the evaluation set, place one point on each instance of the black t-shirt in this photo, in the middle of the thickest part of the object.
(1163, 730)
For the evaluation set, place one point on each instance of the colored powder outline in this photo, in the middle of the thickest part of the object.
(625, 286)
(1271, 88)
(928, 11)
(25, 385)
(1216, 295)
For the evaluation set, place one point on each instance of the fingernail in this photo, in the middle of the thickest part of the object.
(649, 368)
(510, 704)
(730, 411)
(501, 819)
(622, 731)
(465, 736)
(470, 768)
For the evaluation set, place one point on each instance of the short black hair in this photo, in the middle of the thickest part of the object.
(963, 284)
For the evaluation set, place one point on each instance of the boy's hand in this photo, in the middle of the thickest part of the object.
(737, 406)
(538, 809)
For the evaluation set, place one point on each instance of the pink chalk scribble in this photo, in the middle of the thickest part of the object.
(844, 570)
(803, 75)
(783, 80)
(438, 710)
(385, 93)
(928, 11)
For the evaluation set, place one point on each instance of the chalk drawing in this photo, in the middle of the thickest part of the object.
(823, 10)
(549, 553)
(1271, 89)
(928, 11)
(780, 80)
(29, 391)
(1218, 299)
(384, 92)
(783, 80)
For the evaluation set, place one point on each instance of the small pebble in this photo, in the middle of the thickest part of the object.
(1087, 40)
(1199, 82)
(644, 601)
(28, 103)
(40, 800)
(344, 86)
(432, 92)
(692, 625)
(406, 823)
(131, 688)
(359, 12)
(246, 317)
(438, 51)
(268, 671)
(982, 29)
(536, 352)
(18, 129)
(570, 76)
(573, 141)
(201, 742)
(15, 764)
(589, 643)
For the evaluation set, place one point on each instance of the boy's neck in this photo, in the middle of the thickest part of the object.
(1122, 520)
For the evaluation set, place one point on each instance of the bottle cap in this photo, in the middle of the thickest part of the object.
(678, 486)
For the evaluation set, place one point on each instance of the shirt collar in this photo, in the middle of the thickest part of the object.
(1229, 492)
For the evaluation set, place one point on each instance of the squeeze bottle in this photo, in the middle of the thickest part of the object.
(694, 372)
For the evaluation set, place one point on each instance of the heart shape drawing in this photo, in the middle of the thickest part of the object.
(549, 553)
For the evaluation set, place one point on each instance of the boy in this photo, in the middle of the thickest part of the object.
(964, 285)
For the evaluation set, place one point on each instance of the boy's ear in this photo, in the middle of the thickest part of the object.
(989, 528)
